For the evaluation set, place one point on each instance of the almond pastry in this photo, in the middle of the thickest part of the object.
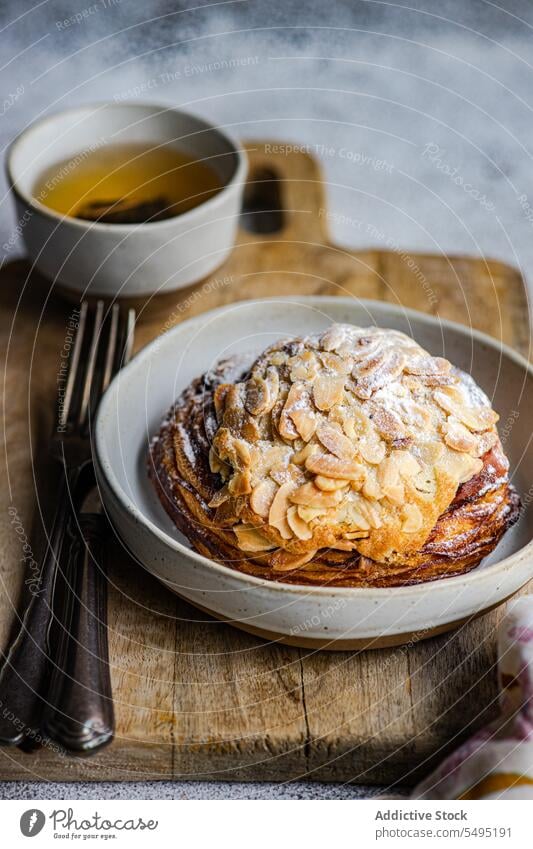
(352, 457)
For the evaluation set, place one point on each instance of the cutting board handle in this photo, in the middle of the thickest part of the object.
(284, 196)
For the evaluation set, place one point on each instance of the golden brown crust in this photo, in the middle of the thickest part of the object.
(219, 499)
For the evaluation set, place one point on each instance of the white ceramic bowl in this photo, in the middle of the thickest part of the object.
(125, 260)
(138, 398)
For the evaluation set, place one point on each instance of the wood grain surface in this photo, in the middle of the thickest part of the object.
(196, 698)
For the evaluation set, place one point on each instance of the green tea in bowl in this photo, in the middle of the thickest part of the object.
(127, 184)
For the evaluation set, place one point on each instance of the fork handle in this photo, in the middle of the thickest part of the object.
(26, 664)
(80, 713)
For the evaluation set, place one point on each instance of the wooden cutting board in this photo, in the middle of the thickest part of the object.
(196, 698)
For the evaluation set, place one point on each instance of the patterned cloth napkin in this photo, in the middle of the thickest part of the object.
(497, 762)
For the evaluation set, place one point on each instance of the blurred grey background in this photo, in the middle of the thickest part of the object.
(420, 111)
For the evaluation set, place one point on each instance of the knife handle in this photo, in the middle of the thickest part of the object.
(80, 712)
(26, 664)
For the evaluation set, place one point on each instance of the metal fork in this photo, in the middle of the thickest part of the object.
(56, 673)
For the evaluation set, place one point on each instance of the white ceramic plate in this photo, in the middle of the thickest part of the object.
(131, 412)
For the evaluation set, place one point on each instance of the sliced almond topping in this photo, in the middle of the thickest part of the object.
(457, 436)
(329, 484)
(372, 374)
(309, 495)
(310, 513)
(355, 423)
(473, 469)
(217, 465)
(328, 391)
(389, 478)
(372, 418)
(300, 528)
(354, 535)
(431, 452)
(304, 366)
(415, 385)
(427, 366)
(242, 453)
(277, 516)
(257, 396)
(262, 497)
(333, 467)
(371, 488)
(440, 379)
(413, 520)
(460, 466)
(340, 365)
(297, 399)
(272, 379)
(286, 427)
(251, 539)
(408, 466)
(371, 512)
(241, 483)
(250, 430)
(475, 418)
(372, 450)
(333, 337)
(452, 404)
(356, 518)
(231, 449)
(366, 349)
(266, 459)
(287, 474)
(219, 398)
(279, 474)
(234, 411)
(388, 423)
(301, 456)
(335, 441)
(359, 521)
(416, 416)
(485, 442)
(449, 394)
(305, 421)
(481, 418)
(348, 426)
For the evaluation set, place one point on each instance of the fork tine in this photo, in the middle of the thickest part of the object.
(110, 354)
(127, 347)
(64, 410)
(114, 330)
(120, 344)
(91, 364)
